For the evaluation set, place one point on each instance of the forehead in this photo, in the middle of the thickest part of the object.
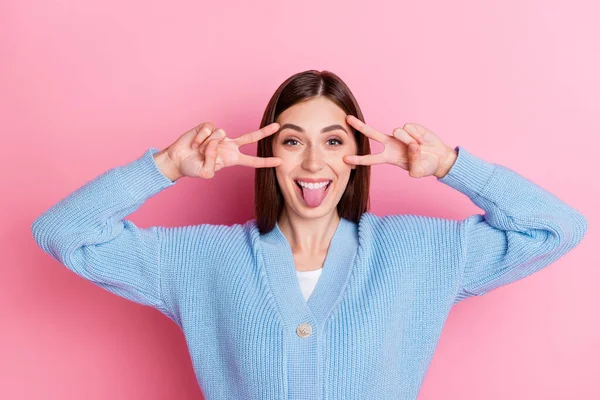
(313, 113)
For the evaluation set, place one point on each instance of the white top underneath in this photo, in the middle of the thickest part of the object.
(308, 281)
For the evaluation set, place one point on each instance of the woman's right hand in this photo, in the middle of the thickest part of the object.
(203, 150)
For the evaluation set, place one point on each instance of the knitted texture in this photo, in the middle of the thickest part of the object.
(369, 329)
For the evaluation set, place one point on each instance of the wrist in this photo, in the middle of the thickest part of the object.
(166, 165)
(447, 163)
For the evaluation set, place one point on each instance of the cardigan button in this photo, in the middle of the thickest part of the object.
(304, 330)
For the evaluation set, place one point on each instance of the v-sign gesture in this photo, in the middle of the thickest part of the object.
(413, 148)
(203, 150)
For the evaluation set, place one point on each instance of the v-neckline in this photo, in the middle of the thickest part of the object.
(278, 261)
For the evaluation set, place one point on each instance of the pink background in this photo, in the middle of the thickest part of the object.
(86, 86)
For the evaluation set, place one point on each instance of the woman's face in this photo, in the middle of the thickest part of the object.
(312, 141)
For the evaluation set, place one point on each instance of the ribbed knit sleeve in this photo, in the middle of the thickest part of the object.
(524, 228)
(86, 231)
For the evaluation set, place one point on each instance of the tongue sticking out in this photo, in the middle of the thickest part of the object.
(314, 197)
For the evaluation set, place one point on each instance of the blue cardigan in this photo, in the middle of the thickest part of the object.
(370, 328)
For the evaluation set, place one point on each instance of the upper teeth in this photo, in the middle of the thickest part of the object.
(311, 185)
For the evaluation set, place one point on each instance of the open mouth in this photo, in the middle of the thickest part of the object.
(315, 196)
(300, 186)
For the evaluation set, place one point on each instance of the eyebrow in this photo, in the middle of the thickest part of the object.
(324, 130)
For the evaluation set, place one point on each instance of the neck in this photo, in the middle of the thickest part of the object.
(311, 236)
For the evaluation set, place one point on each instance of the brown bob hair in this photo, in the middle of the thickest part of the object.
(303, 86)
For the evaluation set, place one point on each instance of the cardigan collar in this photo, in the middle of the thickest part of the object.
(278, 262)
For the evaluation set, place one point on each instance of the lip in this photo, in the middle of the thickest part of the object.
(313, 180)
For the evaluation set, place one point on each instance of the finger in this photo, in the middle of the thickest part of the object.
(403, 136)
(257, 135)
(367, 159)
(202, 132)
(217, 134)
(366, 129)
(219, 166)
(208, 169)
(196, 129)
(416, 131)
(258, 162)
(414, 159)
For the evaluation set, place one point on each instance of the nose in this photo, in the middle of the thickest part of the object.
(313, 159)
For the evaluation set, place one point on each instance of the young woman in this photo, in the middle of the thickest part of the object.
(315, 298)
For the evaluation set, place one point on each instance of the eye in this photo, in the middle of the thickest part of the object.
(336, 140)
(293, 142)
(289, 140)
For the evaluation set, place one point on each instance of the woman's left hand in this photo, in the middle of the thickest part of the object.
(413, 148)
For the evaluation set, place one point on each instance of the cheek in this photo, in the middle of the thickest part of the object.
(287, 164)
(289, 160)
(340, 165)
(284, 170)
